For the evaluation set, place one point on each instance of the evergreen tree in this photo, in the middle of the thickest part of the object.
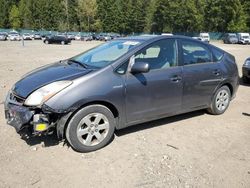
(127, 16)
(14, 17)
(4, 13)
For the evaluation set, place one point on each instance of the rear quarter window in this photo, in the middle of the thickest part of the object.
(218, 54)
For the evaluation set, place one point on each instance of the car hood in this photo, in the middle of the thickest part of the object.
(47, 74)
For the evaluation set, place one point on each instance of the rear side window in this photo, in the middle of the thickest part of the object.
(218, 54)
(195, 53)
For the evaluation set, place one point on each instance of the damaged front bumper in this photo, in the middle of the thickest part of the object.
(21, 117)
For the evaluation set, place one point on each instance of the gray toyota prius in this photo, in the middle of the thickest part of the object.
(119, 84)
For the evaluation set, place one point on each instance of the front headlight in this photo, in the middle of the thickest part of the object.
(247, 63)
(46, 92)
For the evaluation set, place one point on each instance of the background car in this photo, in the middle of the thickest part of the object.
(246, 71)
(243, 38)
(115, 36)
(56, 39)
(230, 38)
(27, 36)
(205, 37)
(37, 36)
(104, 37)
(84, 37)
(71, 36)
(87, 38)
(3, 36)
(14, 36)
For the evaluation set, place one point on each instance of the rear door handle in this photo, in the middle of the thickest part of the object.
(175, 78)
(216, 72)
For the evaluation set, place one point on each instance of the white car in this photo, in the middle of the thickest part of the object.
(78, 37)
(204, 37)
(14, 36)
(27, 36)
(243, 38)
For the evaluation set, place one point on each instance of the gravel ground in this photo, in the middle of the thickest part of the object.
(190, 150)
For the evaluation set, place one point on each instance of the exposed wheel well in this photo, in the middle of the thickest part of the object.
(230, 87)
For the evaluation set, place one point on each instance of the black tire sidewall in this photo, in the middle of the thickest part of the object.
(214, 109)
(73, 123)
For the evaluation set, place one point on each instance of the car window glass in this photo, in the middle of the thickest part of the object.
(123, 68)
(106, 53)
(195, 53)
(218, 54)
(159, 55)
(110, 54)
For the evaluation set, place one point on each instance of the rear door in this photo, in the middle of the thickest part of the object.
(201, 75)
(158, 92)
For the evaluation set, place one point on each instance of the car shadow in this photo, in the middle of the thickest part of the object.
(157, 123)
(52, 140)
(45, 140)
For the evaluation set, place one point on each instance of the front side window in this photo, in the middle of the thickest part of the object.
(195, 53)
(105, 54)
(159, 55)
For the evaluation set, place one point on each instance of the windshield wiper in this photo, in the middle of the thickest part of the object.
(77, 62)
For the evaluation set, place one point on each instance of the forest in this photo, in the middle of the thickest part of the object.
(127, 16)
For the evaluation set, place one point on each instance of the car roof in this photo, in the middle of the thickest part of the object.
(144, 38)
(139, 38)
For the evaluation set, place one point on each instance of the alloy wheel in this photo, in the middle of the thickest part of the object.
(92, 129)
(222, 100)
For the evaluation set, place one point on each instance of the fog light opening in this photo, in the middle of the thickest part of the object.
(40, 127)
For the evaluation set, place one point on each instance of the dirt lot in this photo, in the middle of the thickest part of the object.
(190, 150)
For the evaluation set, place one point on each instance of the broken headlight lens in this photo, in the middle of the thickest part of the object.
(44, 93)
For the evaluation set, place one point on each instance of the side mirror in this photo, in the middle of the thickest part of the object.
(139, 67)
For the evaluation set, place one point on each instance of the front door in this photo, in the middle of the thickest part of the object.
(158, 92)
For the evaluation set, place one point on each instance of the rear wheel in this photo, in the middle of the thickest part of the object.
(46, 42)
(62, 42)
(91, 128)
(221, 101)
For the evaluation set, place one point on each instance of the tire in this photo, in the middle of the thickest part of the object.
(46, 42)
(62, 42)
(91, 128)
(220, 101)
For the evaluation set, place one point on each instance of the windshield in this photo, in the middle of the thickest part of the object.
(245, 37)
(105, 54)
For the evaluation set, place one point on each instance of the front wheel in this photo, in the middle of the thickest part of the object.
(62, 42)
(91, 128)
(220, 101)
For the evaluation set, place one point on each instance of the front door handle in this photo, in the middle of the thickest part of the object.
(175, 78)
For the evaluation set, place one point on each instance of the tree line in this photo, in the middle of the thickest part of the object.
(127, 16)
